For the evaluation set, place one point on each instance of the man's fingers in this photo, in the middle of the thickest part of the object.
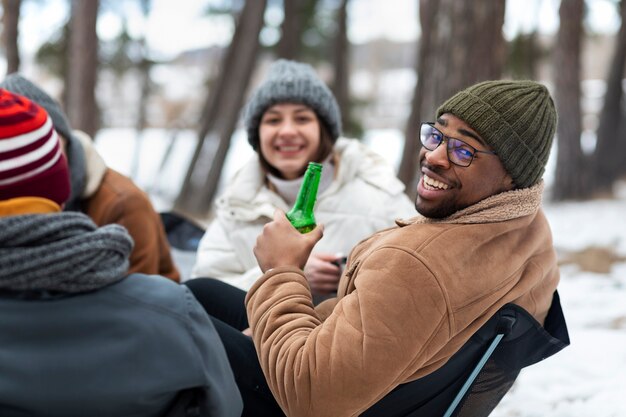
(316, 234)
(324, 288)
(327, 279)
(328, 268)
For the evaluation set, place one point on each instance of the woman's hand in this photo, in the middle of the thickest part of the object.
(322, 272)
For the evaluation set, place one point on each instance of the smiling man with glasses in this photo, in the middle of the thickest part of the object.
(497, 137)
(413, 295)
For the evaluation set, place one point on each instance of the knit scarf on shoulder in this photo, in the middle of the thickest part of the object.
(61, 252)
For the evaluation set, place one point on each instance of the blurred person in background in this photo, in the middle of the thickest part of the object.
(103, 194)
(79, 336)
(293, 119)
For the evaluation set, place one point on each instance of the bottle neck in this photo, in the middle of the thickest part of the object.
(288, 189)
(308, 191)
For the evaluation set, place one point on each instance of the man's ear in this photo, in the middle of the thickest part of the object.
(508, 183)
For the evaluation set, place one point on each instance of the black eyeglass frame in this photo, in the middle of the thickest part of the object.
(447, 138)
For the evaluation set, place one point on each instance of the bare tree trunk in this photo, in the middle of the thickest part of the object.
(222, 111)
(610, 152)
(140, 126)
(291, 30)
(570, 174)
(10, 21)
(82, 109)
(468, 47)
(341, 84)
(412, 145)
(144, 75)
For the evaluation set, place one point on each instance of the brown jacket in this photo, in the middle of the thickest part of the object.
(118, 200)
(411, 296)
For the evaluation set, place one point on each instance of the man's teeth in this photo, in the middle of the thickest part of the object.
(434, 183)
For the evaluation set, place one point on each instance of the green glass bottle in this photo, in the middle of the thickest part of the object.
(301, 215)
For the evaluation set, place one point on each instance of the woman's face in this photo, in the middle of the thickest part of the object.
(289, 137)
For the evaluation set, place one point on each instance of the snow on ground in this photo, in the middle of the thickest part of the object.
(586, 379)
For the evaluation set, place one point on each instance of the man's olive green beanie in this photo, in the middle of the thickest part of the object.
(516, 118)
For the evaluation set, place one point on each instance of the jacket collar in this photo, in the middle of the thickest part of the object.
(359, 160)
(497, 208)
(95, 167)
(244, 197)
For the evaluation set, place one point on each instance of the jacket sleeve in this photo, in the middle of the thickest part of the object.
(151, 252)
(374, 339)
(217, 258)
(221, 395)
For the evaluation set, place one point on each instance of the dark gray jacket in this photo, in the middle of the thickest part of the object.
(124, 350)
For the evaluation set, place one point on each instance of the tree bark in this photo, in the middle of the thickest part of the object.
(608, 161)
(570, 175)
(462, 43)
(82, 108)
(144, 67)
(10, 22)
(341, 84)
(142, 117)
(291, 30)
(412, 145)
(468, 47)
(222, 111)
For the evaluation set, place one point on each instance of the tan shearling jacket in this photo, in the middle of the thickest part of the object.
(411, 296)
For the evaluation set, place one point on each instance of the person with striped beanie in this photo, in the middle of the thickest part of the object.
(32, 163)
(71, 312)
(105, 195)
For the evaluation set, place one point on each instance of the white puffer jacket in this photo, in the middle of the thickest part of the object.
(365, 196)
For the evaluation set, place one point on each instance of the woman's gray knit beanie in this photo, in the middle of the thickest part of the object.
(292, 82)
(516, 118)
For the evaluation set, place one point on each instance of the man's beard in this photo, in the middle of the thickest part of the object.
(443, 210)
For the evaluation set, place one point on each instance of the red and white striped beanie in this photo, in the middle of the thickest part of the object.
(32, 163)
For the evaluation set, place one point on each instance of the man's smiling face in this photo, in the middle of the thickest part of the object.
(445, 188)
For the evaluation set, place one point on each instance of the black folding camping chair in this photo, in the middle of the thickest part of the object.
(182, 233)
(474, 380)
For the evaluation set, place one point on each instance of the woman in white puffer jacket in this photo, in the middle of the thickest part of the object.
(293, 119)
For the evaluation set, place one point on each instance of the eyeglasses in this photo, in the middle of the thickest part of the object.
(459, 152)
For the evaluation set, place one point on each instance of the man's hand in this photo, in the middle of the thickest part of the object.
(322, 272)
(280, 244)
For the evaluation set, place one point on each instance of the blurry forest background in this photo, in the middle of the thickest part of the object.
(100, 64)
